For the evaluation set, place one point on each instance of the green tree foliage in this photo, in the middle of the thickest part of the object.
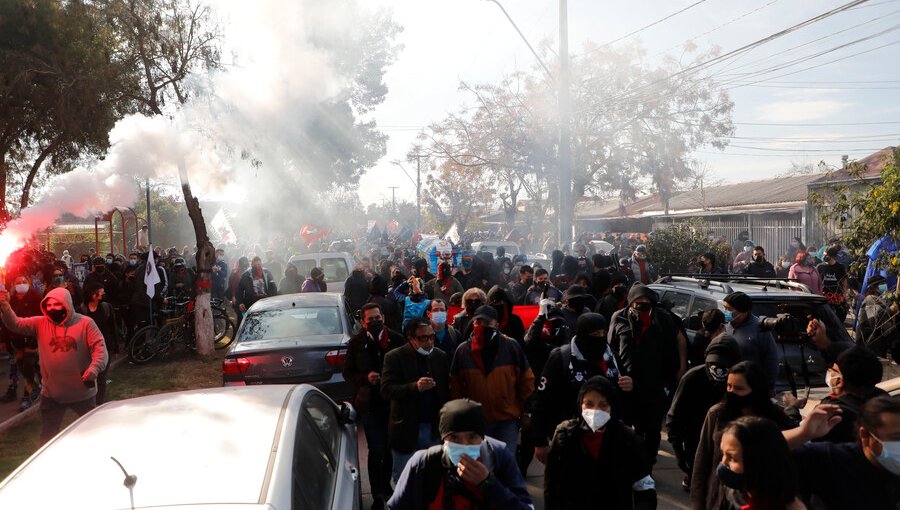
(675, 249)
(865, 210)
(61, 91)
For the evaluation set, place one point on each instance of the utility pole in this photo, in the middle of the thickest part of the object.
(394, 199)
(565, 211)
(419, 192)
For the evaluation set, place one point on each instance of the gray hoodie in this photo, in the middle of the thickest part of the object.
(67, 351)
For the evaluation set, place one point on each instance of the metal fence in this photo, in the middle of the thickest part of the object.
(773, 231)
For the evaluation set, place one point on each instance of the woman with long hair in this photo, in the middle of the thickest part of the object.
(756, 467)
(746, 394)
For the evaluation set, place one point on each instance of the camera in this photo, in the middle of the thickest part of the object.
(787, 327)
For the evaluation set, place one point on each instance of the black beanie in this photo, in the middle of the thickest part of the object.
(462, 415)
(587, 323)
(739, 301)
(724, 351)
(641, 290)
(601, 385)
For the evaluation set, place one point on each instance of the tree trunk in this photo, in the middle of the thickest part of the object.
(206, 257)
(4, 214)
(29, 181)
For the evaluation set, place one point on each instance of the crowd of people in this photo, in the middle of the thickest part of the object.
(457, 395)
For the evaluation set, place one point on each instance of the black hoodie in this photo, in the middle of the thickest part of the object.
(510, 324)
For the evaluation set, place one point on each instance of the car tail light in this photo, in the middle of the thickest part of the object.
(336, 358)
(237, 366)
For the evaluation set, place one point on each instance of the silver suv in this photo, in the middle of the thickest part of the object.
(783, 305)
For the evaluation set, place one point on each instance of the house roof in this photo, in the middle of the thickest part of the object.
(870, 166)
(765, 192)
(614, 207)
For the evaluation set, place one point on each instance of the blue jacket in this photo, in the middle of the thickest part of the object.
(508, 490)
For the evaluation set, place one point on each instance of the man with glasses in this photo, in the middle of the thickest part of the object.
(415, 379)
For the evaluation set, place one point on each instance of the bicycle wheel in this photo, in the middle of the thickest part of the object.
(169, 336)
(223, 328)
(144, 345)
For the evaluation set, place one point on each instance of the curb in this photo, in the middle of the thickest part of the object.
(24, 415)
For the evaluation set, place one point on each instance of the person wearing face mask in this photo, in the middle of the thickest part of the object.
(575, 301)
(102, 275)
(746, 394)
(23, 350)
(743, 258)
(363, 370)
(708, 264)
(700, 388)
(595, 460)
(255, 283)
(541, 289)
(864, 473)
(104, 316)
(219, 275)
(518, 288)
(641, 270)
(315, 282)
(760, 267)
(67, 259)
(468, 470)
(491, 368)
(445, 285)
(617, 297)
(805, 272)
(876, 327)
(509, 323)
(756, 345)
(652, 345)
(586, 355)
(415, 380)
(472, 299)
(72, 354)
(446, 337)
(756, 467)
(852, 381)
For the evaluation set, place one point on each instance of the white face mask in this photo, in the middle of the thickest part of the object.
(22, 288)
(833, 381)
(423, 352)
(595, 418)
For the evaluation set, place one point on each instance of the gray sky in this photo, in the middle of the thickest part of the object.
(451, 40)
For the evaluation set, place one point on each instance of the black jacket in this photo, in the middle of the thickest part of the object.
(557, 389)
(356, 290)
(652, 360)
(246, 295)
(695, 395)
(764, 270)
(574, 480)
(364, 355)
(400, 373)
(105, 317)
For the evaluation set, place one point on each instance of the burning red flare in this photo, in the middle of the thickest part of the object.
(8, 244)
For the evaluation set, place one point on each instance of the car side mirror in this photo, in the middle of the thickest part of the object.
(347, 414)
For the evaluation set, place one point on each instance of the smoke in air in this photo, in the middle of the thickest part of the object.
(259, 104)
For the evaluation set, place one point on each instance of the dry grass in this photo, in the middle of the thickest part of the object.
(181, 372)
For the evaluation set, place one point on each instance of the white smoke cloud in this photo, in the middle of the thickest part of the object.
(284, 68)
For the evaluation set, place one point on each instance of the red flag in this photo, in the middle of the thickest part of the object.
(310, 233)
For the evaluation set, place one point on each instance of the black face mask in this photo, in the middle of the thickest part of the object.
(542, 285)
(736, 401)
(760, 259)
(576, 304)
(716, 373)
(375, 327)
(101, 269)
(620, 292)
(501, 310)
(729, 478)
(57, 316)
(592, 347)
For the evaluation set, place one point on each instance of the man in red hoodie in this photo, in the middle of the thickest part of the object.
(72, 353)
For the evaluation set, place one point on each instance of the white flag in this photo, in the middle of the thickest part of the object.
(452, 235)
(151, 276)
(222, 227)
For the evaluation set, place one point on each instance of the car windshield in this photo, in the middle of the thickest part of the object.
(292, 323)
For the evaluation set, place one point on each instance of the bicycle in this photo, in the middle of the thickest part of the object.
(177, 328)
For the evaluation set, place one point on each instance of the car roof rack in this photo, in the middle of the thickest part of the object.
(778, 283)
(701, 281)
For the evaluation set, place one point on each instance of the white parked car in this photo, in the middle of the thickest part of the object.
(335, 265)
(267, 447)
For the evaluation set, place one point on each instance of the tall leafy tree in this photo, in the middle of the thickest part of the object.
(62, 89)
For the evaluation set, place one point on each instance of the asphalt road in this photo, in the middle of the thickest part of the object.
(666, 473)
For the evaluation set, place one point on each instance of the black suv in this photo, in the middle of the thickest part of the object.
(784, 307)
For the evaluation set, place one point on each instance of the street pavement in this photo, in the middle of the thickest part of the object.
(666, 473)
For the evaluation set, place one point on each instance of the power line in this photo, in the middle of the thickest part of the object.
(808, 124)
(645, 27)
